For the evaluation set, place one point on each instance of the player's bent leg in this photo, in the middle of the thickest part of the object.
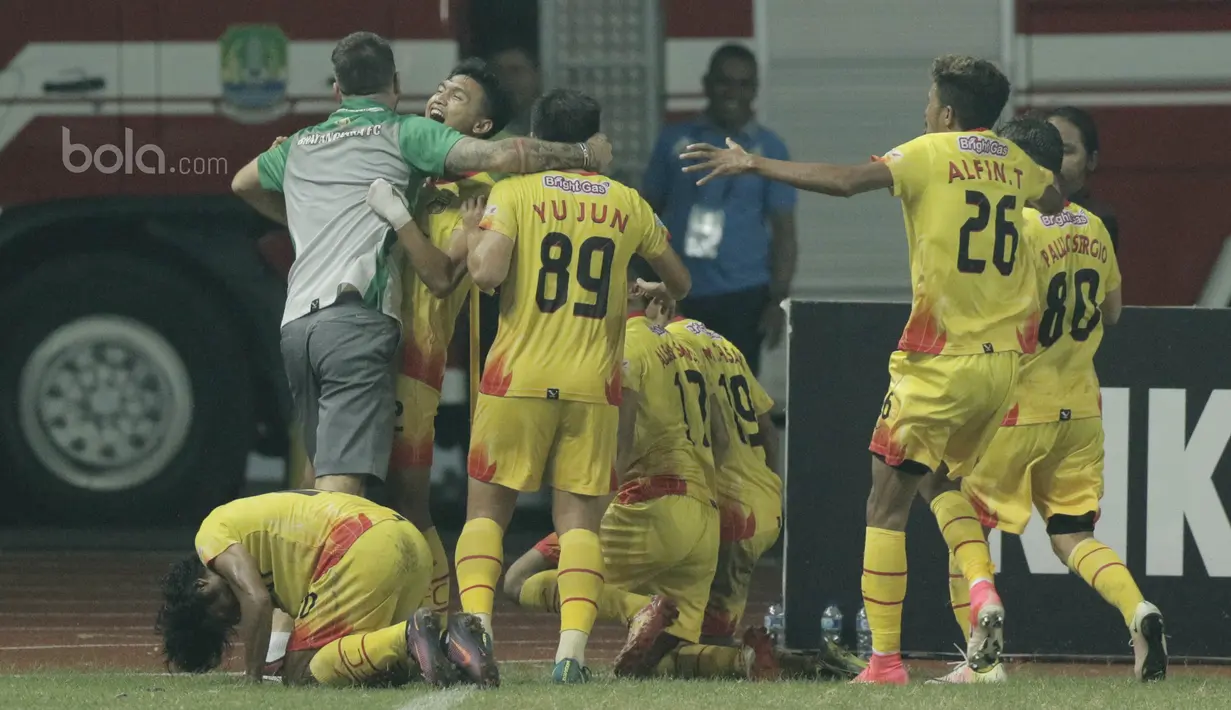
(409, 489)
(389, 656)
(480, 547)
(543, 557)
(1100, 567)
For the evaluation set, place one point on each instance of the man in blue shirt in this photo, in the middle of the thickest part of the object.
(737, 234)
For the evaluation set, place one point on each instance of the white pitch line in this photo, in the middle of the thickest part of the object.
(439, 700)
(57, 647)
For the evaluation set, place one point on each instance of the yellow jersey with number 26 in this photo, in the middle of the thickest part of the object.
(962, 197)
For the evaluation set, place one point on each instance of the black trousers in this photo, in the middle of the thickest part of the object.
(735, 316)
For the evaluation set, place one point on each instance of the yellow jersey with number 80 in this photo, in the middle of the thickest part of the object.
(1076, 267)
(962, 197)
(563, 304)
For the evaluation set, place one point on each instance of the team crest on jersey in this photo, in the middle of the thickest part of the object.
(254, 72)
(982, 145)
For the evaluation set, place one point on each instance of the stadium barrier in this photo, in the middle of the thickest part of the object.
(1166, 379)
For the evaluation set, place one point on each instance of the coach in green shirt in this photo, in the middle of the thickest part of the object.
(340, 329)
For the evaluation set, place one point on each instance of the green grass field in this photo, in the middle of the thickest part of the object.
(526, 686)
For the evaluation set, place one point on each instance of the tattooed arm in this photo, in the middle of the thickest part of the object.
(526, 155)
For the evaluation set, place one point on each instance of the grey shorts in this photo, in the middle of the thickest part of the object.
(341, 366)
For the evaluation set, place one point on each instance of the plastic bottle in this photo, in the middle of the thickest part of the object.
(775, 623)
(831, 624)
(863, 634)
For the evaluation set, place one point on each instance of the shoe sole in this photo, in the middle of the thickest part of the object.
(423, 643)
(469, 654)
(1155, 666)
(631, 661)
(991, 623)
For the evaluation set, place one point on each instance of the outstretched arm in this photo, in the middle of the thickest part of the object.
(825, 178)
(526, 155)
(256, 609)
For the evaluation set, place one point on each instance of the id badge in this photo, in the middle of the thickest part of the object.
(704, 234)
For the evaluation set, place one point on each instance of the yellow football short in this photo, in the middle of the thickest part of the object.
(414, 437)
(667, 546)
(367, 577)
(1055, 467)
(519, 442)
(746, 532)
(943, 408)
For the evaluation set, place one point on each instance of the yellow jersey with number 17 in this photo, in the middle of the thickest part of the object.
(294, 536)
(1076, 267)
(563, 303)
(431, 320)
(742, 400)
(962, 198)
(671, 441)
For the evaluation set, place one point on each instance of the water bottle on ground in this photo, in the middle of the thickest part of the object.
(775, 623)
(863, 635)
(831, 624)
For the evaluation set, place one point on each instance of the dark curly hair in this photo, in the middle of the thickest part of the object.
(192, 640)
(496, 102)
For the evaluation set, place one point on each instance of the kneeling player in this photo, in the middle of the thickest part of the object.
(1049, 449)
(660, 534)
(352, 573)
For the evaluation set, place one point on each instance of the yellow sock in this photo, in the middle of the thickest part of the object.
(480, 560)
(580, 581)
(959, 597)
(542, 593)
(884, 586)
(363, 659)
(437, 598)
(698, 660)
(963, 534)
(1103, 570)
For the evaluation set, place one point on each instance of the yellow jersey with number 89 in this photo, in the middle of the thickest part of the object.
(1076, 267)
(962, 197)
(563, 304)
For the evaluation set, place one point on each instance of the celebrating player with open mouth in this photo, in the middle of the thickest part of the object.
(974, 311)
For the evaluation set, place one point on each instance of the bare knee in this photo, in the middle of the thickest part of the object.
(935, 483)
(893, 490)
(491, 501)
(1066, 532)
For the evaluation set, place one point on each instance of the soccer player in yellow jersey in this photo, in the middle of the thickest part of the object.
(352, 573)
(1049, 450)
(558, 245)
(434, 288)
(974, 312)
(749, 490)
(660, 534)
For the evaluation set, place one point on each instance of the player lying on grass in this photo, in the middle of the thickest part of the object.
(1048, 451)
(558, 246)
(974, 311)
(353, 575)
